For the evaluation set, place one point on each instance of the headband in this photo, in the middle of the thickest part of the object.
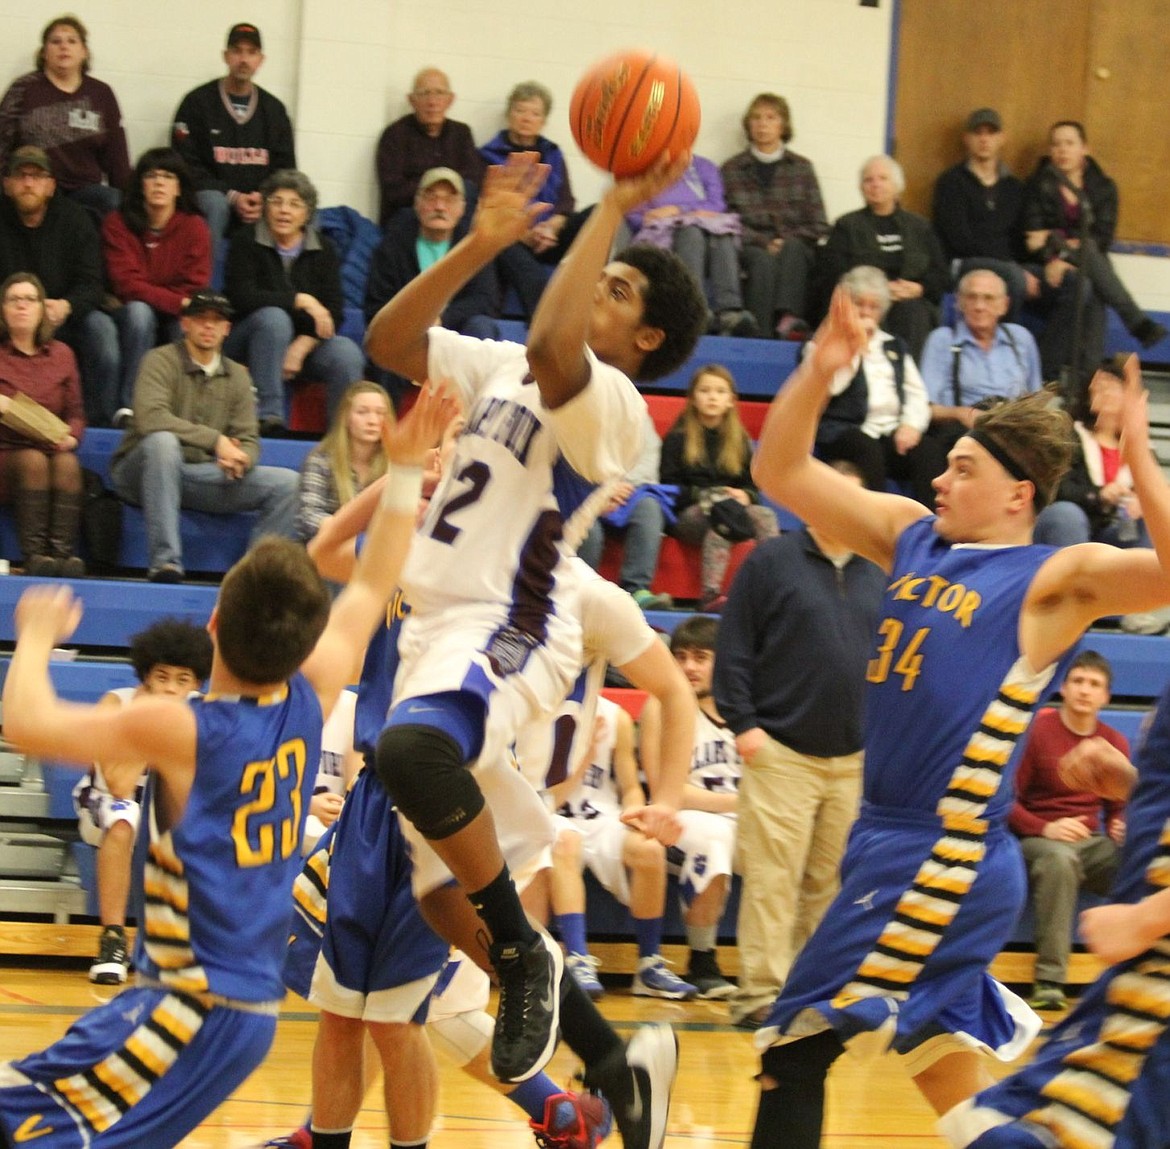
(1009, 464)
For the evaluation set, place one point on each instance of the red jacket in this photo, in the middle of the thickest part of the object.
(161, 270)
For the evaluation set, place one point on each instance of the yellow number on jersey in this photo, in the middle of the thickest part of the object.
(909, 661)
(257, 821)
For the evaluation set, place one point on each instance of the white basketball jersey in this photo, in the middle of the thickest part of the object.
(715, 764)
(598, 792)
(336, 743)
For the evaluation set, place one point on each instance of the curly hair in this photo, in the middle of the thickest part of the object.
(171, 642)
(1037, 435)
(673, 301)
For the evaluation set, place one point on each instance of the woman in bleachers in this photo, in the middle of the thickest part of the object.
(707, 454)
(157, 249)
(284, 280)
(878, 412)
(348, 459)
(75, 118)
(40, 476)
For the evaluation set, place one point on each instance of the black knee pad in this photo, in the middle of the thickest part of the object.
(804, 1061)
(424, 773)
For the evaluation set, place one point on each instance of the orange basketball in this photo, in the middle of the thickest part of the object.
(631, 107)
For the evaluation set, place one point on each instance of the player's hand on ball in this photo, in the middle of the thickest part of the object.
(508, 208)
(48, 614)
(665, 172)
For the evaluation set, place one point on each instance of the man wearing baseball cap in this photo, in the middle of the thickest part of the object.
(233, 135)
(977, 206)
(194, 440)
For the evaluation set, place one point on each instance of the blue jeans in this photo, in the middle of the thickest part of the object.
(154, 477)
(140, 329)
(1063, 524)
(218, 213)
(260, 341)
(94, 340)
(643, 534)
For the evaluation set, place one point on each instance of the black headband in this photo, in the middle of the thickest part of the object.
(1009, 464)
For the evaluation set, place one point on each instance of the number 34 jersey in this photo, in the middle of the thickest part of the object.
(217, 883)
(520, 471)
(939, 679)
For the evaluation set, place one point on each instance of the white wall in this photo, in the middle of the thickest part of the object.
(343, 67)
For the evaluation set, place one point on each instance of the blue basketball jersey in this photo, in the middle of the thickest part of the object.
(217, 884)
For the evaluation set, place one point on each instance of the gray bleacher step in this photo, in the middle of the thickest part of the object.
(23, 802)
(61, 899)
(30, 855)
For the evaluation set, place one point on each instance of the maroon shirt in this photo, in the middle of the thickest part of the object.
(49, 376)
(162, 268)
(1041, 795)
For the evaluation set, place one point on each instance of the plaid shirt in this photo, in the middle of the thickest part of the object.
(789, 207)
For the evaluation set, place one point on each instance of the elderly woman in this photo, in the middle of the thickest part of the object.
(40, 476)
(775, 193)
(158, 254)
(284, 281)
(526, 266)
(899, 243)
(877, 416)
(75, 118)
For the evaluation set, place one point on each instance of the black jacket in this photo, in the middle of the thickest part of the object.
(1044, 205)
(975, 221)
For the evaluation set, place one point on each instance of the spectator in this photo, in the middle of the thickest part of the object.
(976, 211)
(900, 243)
(778, 200)
(635, 511)
(233, 135)
(878, 411)
(979, 361)
(421, 140)
(61, 108)
(526, 266)
(691, 218)
(193, 441)
(1069, 838)
(171, 659)
(790, 665)
(348, 459)
(284, 280)
(54, 238)
(707, 454)
(40, 478)
(158, 254)
(1070, 219)
(704, 854)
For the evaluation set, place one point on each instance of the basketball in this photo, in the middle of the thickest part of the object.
(631, 107)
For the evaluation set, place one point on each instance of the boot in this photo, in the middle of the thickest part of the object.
(64, 521)
(32, 525)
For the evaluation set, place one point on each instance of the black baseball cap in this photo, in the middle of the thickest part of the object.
(208, 300)
(984, 118)
(247, 32)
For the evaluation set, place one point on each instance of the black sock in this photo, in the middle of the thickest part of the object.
(583, 1028)
(791, 1115)
(331, 1140)
(499, 906)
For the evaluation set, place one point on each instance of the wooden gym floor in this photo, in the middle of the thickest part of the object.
(871, 1106)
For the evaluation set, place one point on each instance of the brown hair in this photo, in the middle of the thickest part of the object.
(335, 445)
(67, 21)
(734, 441)
(44, 331)
(1037, 435)
(778, 104)
(272, 608)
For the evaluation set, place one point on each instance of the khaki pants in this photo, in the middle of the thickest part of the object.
(795, 813)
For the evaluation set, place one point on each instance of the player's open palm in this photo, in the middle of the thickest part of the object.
(840, 337)
(507, 208)
(48, 613)
(409, 440)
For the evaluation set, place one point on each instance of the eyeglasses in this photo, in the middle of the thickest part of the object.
(159, 174)
(290, 204)
(431, 93)
(29, 299)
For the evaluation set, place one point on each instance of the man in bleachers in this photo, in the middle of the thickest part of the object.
(55, 239)
(233, 135)
(194, 441)
(421, 140)
(1070, 838)
(978, 361)
(790, 666)
(976, 211)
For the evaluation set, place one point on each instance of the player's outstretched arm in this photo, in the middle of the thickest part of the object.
(560, 325)
(1100, 768)
(397, 336)
(336, 659)
(784, 467)
(156, 730)
(1118, 932)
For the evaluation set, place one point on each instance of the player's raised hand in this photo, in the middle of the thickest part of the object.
(1100, 768)
(508, 208)
(665, 172)
(47, 614)
(409, 440)
(840, 337)
(1135, 414)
